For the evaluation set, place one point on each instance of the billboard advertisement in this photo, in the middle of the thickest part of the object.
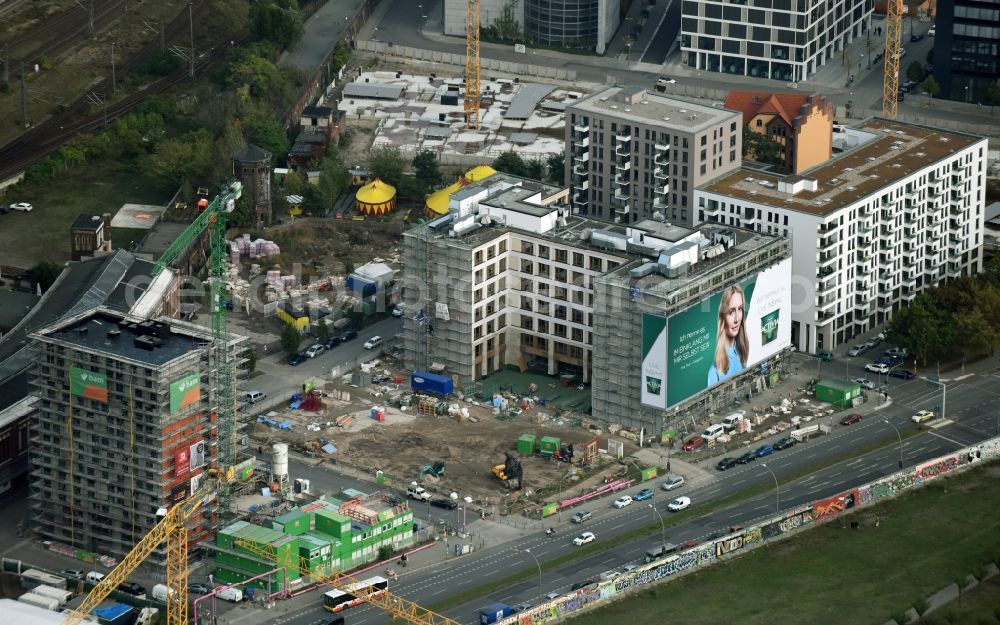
(197, 455)
(182, 462)
(83, 383)
(716, 339)
(185, 392)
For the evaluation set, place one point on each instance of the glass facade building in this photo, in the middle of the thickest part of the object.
(967, 48)
(563, 23)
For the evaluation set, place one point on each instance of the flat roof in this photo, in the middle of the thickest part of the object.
(655, 109)
(900, 150)
(662, 230)
(378, 91)
(89, 331)
(526, 99)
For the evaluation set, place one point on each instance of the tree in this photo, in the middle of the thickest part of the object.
(760, 147)
(511, 163)
(259, 75)
(387, 163)
(188, 156)
(923, 327)
(270, 135)
(557, 168)
(333, 180)
(244, 214)
(931, 87)
(915, 71)
(426, 169)
(993, 96)
(291, 339)
(44, 274)
(322, 331)
(534, 169)
(281, 25)
(251, 360)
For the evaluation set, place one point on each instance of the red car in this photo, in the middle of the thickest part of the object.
(693, 443)
(850, 419)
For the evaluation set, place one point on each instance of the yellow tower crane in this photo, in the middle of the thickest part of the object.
(393, 605)
(170, 530)
(890, 79)
(472, 64)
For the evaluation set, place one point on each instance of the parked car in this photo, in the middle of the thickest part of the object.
(665, 80)
(584, 538)
(72, 573)
(764, 450)
(904, 374)
(824, 356)
(628, 568)
(747, 457)
(850, 419)
(443, 502)
(679, 504)
(916, 37)
(524, 606)
(694, 443)
(314, 350)
(897, 352)
(900, 96)
(581, 516)
(583, 584)
(726, 463)
(643, 495)
(296, 359)
(923, 415)
(930, 33)
(22, 206)
(398, 310)
(4, 209)
(198, 589)
(857, 350)
(622, 501)
(875, 340)
(885, 360)
(877, 367)
(864, 383)
(349, 335)
(552, 595)
(133, 589)
(672, 481)
(373, 342)
(785, 443)
(332, 342)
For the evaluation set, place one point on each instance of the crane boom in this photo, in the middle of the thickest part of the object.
(890, 77)
(472, 64)
(393, 605)
(170, 530)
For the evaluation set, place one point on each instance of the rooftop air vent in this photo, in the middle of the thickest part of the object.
(82, 330)
(114, 333)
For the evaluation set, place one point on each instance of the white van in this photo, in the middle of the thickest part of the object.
(160, 593)
(373, 342)
(254, 396)
(713, 432)
(730, 422)
(232, 594)
(94, 577)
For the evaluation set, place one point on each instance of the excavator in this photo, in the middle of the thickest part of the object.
(510, 472)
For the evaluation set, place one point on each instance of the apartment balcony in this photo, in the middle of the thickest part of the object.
(581, 143)
(579, 198)
(823, 287)
(582, 157)
(884, 304)
(824, 271)
(827, 258)
(749, 222)
(659, 173)
(621, 195)
(866, 227)
(887, 215)
(865, 270)
(660, 160)
(953, 270)
(712, 208)
(660, 202)
(955, 209)
(909, 280)
(661, 147)
(580, 170)
(623, 138)
(884, 290)
(825, 303)
(909, 233)
(622, 150)
(622, 167)
(824, 317)
(827, 242)
(911, 194)
(621, 208)
(583, 185)
(581, 130)
(661, 189)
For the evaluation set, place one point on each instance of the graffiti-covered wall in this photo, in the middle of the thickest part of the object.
(662, 570)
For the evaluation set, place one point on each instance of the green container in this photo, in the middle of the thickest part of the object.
(549, 509)
(333, 524)
(368, 308)
(295, 522)
(648, 473)
(840, 394)
(526, 444)
(548, 445)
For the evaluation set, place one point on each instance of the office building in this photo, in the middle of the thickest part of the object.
(631, 154)
(900, 212)
(801, 124)
(784, 40)
(126, 425)
(967, 49)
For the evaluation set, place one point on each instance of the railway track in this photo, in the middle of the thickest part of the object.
(61, 32)
(76, 118)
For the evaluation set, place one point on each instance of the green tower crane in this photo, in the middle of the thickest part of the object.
(213, 218)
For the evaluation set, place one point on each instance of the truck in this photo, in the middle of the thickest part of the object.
(654, 553)
(427, 382)
(41, 601)
(60, 595)
(493, 613)
(416, 491)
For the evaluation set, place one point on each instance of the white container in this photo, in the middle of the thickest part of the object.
(279, 459)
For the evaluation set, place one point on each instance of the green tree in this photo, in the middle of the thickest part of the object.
(387, 163)
(244, 214)
(412, 188)
(185, 157)
(923, 327)
(511, 163)
(993, 96)
(44, 274)
(291, 339)
(270, 135)
(259, 76)
(281, 25)
(976, 335)
(991, 272)
(341, 55)
(557, 168)
(322, 331)
(760, 147)
(931, 86)
(251, 360)
(915, 71)
(426, 169)
(333, 180)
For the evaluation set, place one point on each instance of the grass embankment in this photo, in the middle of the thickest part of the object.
(926, 540)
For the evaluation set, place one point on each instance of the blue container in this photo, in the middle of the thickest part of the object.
(432, 383)
(364, 287)
(493, 613)
(373, 413)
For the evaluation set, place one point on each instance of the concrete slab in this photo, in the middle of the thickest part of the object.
(138, 216)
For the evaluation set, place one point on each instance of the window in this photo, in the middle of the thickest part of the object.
(577, 259)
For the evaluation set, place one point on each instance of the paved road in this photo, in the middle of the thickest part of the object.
(322, 30)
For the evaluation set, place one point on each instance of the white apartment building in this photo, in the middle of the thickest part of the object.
(901, 211)
(631, 154)
(778, 39)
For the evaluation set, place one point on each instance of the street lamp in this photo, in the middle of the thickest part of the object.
(966, 94)
(944, 394)
(663, 528)
(900, 442)
(777, 489)
(528, 551)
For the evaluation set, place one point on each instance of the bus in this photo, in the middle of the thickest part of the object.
(337, 600)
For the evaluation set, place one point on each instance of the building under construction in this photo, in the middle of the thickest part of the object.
(126, 426)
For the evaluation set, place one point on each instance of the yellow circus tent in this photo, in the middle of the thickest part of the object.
(437, 202)
(375, 198)
(478, 173)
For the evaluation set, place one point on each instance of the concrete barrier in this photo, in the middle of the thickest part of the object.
(515, 69)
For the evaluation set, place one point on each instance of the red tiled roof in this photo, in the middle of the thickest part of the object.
(752, 103)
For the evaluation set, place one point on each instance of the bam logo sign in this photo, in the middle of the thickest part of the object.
(185, 392)
(88, 384)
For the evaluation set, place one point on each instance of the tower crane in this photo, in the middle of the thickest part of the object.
(890, 77)
(393, 605)
(472, 64)
(170, 530)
